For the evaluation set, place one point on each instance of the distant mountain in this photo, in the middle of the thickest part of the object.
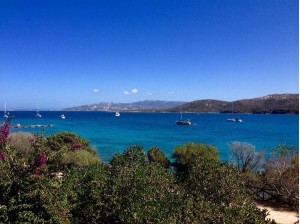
(274, 104)
(146, 105)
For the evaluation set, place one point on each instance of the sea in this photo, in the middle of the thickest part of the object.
(109, 134)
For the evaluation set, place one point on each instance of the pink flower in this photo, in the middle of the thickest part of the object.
(1, 155)
(40, 160)
(4, 132)
(75, 145)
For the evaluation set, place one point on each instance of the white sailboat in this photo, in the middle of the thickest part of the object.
(183, 122)
(117, 114)
(62, 116)
(234, 119)
(38, 115)
(6, 114)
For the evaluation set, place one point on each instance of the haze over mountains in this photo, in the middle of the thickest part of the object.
(275, 103)
(146, 105)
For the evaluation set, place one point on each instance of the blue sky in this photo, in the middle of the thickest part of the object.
(66, 53)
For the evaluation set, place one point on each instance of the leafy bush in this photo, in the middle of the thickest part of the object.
(215, 193)
(143, 193)
(21, 141)
(28, 193)
(69, 140)
(61, 180)
(155, 155)
(133, 154)
(79, 158)
(86, 188)
(185, 154)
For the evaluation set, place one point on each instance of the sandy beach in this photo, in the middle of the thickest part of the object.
(281, 216)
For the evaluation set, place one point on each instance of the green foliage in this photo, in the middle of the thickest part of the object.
(29, 195)
(155, 155)
(61, 180)
(31, 191)
(21, 142)
(143, 193)
(86, 188)
(185, 154)
(215, 193)
(68, 140)
(79, 158)
(133, 154)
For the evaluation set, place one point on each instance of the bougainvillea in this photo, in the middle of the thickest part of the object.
(4, 132)
(75, 145)
(40, 160)
(1, 155)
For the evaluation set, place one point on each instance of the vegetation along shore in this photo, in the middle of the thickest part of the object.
(60, 179)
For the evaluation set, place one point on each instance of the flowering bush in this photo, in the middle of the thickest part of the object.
(40, 160)
(75, 145)
(61, 181)
(4, 132)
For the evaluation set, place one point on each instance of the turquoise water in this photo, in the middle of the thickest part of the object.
(110, 134)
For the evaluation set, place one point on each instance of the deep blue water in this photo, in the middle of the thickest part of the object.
(110, 134)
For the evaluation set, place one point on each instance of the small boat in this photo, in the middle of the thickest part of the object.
(62, 116)
(117, 114)
(6, 114)
(183, 122)
(38, 115)
(234, 119)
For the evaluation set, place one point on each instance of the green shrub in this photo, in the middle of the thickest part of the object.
(79, 158)
(21, 141)
(86, 188)
(143, 193)
(69, 140)
(132, 155)
(215, 193)
(157, 156)
(185, 154)
(132, 188)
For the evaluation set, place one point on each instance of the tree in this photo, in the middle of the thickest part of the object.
(245, 157)
(282, 172)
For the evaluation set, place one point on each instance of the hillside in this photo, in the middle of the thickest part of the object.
(274, 104)
(146, 105)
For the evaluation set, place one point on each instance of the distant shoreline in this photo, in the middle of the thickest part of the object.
(150, 111)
